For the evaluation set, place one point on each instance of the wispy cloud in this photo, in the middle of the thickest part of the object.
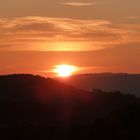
(132, 17)
(44, 33)
(78, 3)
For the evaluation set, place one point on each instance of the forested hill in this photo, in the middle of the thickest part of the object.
(30, 104)
(126, 83)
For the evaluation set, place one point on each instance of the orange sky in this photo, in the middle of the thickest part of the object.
(91, 34)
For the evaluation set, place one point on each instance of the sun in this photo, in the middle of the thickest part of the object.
(64, 70)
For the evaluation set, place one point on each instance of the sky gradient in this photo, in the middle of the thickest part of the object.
(95, 35)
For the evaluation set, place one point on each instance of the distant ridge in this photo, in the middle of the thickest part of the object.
(124, 82)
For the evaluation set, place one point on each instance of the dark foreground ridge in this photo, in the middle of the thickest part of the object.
(33, 107)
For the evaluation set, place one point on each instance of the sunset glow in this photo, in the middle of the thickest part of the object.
(64, 70)
(91, 34)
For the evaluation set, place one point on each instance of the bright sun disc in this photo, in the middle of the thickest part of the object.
(64, 70)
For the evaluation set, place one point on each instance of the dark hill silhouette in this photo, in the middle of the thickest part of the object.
(46, 93)
(127, 83)
(34, 107)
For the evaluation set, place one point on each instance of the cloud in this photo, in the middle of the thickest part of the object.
(44, 33)
(78, 3)
(132, 17)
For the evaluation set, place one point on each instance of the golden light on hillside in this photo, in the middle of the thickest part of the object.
(64, 70)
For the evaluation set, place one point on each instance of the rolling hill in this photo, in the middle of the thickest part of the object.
(34, 107)
(126, 83)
